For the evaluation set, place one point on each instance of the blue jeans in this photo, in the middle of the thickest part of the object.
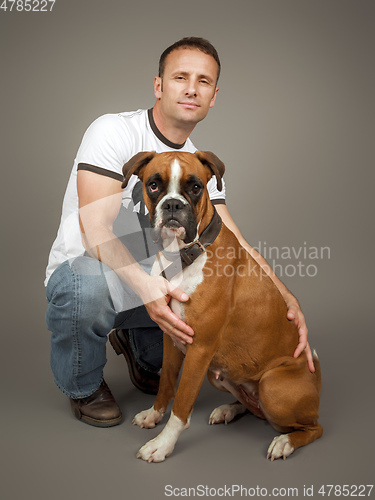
(86, 300)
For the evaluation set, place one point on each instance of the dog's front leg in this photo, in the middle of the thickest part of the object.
(195, 368)
(172, 361)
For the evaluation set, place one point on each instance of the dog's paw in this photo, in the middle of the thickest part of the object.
(280, 447)
(226, 413)
(159, 448)
(147, 419)
(156, 450)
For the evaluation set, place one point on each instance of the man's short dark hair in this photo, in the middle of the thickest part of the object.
(191, 42)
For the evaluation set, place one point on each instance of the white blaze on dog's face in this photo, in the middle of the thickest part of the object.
(174, 190)
(171, 200)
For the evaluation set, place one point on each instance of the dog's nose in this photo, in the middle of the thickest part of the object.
(172, 205)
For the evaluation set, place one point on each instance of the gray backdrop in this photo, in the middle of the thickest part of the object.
(294, 124)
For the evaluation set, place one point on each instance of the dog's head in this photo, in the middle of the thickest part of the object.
(174, 190)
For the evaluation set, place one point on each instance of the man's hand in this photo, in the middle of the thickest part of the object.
(156, 297)
(295, 314)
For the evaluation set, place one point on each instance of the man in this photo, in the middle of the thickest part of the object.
(97, 277)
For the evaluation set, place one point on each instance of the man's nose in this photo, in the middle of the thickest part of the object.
(191, 88)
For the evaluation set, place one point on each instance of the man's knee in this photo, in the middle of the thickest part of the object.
(82, 275)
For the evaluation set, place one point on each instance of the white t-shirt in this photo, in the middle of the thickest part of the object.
(109, 142)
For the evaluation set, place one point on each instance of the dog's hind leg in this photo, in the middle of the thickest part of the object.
(226, 413)
(289, 398)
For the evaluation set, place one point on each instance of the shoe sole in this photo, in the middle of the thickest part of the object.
(94, 422)
(119, 349)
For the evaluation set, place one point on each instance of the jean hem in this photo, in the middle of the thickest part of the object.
(147, 368)
(138, 353)
(74, 396)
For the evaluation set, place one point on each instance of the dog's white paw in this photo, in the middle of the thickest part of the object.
(280, 447)
(159, 448)
(156, 450)
(148, 418)
(226, 413)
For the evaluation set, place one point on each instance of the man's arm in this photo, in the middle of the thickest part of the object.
(99, 204)
(294, 310)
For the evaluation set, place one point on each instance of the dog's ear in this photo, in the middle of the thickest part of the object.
(135, 165)
(216, 166)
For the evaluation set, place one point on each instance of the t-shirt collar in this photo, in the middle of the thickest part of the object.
(159, 135)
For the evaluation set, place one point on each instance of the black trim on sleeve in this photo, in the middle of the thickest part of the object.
(220, 201)
(159, 135)
(100, 171)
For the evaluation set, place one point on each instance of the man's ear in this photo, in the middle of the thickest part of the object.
(213, 100)
(216, 166)
(135, 165)
(158, 87)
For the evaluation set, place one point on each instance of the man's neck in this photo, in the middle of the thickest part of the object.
(174, 133)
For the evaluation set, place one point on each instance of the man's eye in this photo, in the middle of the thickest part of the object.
(153, 187)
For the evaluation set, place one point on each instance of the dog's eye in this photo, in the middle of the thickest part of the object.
(153, 187)
(196, 188)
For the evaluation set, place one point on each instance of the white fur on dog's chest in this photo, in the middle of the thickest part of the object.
(187, 280)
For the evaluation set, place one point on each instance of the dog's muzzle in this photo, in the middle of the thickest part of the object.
(176, 219)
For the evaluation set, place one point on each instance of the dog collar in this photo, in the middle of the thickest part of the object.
(187, 255)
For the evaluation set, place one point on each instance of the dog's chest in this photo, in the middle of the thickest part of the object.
(187, 280)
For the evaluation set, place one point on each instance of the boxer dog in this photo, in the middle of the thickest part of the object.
(243, 339)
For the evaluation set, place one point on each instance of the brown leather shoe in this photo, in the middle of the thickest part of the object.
(143, 380)
(99, 409)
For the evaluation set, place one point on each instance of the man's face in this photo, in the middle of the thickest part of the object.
(188, 87)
